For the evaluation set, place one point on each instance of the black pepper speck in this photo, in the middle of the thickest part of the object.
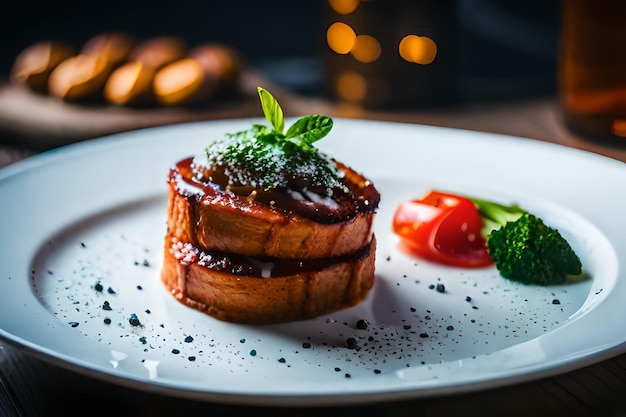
(188, 339)
(556, 301)
(134, 320)
(175, 351)
(306, 345)
(73, 323)
(351, 343)
(106, 306)
(362, 324)
(253, 352)
(192, 359)
(441, 288)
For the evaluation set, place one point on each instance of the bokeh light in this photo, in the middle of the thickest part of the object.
(340, 38)
(418, 49)
(366, 49)
(344, 6)
(351, 86)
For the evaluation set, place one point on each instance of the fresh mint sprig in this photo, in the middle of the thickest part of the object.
(264, 155)
(302, 133)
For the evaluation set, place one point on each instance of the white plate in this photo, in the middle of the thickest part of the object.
(94, 213)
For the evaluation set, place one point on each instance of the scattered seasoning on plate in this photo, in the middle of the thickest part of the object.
(404, 340)
(145, 263)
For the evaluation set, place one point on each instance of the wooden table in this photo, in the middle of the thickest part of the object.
(598, 389)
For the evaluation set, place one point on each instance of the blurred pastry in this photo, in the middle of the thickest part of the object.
(219, 62)
(160, 51)
(114, 46)
(33, 65)
(79, 78)
(183, 82)
(130, 85)
(132, 82)
(209, 70)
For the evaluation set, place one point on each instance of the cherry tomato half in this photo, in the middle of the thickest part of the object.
(444, 228)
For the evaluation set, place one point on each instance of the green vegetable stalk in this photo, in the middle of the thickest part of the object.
(523, 247)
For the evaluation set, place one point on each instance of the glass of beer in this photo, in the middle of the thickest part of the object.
(592, 72)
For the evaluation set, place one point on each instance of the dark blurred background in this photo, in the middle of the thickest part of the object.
(507, 48)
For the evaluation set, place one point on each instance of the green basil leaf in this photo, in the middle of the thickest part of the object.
(309, 129)
(272, 110)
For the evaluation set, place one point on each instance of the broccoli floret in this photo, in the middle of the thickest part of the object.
(523, 248)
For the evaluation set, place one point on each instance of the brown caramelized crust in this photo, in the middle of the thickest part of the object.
(214, 219)
(302, 294)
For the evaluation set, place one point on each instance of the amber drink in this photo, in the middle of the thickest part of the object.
(592, 72)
